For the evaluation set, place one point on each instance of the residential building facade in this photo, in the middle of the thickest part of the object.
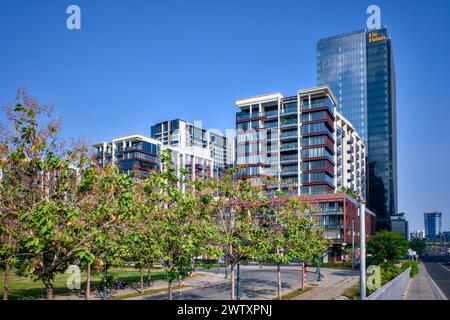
(182, 135)
(137, 156)
(301, 146)
(359, 68)
(300, 143)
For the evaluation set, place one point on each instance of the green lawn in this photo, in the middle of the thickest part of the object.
(21, 288)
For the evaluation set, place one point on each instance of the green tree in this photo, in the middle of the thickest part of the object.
(236, 210)
(41, 187)
(27, 143)
(387, 247)
(293, 233)
(418, 246)
(183, 224)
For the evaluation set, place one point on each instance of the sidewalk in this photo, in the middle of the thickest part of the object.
(422, 287)
(334, 284)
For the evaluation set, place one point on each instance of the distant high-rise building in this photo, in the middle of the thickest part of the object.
(419, 234)
(359, 69)
(399, 225)
(433, 224)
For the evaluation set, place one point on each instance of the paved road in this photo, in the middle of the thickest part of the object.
(256, 283)
(439, 272)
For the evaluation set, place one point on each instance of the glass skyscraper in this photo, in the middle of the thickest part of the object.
(433, 224)
(359, 69)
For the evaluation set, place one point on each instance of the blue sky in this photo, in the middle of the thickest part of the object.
(138, 62)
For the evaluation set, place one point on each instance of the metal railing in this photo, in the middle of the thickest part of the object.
(393, 290)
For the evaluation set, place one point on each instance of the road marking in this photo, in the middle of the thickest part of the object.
(444, 267)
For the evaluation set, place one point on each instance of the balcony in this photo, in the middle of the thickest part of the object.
(350, 159)
(350, 140)
(324, 104)
(289, 172)
(288, 124)
(289, 182)
(289, 159)
(271, 114)
(350, 150)
(288, 135)
(289, 146)
(289, 111)
(245, 115)
(351, 168)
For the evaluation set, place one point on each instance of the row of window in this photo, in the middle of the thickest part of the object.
(138, 155)
(316, 153)
(312, 141)
(317, 177)
(315, 128)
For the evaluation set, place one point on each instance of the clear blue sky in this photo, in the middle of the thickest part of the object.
(138, 62)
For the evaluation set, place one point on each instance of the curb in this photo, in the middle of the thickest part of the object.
(405, 292)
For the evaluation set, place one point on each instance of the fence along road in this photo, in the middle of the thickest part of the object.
(393, 290)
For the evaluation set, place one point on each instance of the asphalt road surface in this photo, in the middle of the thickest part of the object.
(439, 272)
(256, 283)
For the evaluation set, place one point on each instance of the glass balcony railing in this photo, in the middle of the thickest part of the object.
(291, 158)
(319, 104)
(289, 146)
(246, 115)
(289, 110)
(288, 123)
(272, 113)
(289, 134)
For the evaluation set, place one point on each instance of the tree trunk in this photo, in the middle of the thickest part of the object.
(149, 273)
(87, 294)
(279, 281)
(6, 282)
(49, 291)
(233, 282)
(141, 273)
(303, 275)
(170, 290)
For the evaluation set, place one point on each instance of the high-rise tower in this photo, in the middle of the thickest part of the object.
(359, 69)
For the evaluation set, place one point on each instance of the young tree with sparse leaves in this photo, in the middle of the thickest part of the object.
(182, 222)
(236, 216)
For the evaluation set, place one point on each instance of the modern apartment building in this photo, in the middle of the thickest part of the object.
(301, 143)
(137, 156)
(184, 136)
(433, 224)
(359, 68)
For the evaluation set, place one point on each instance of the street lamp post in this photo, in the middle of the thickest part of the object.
(319, 261)
(362, 246)
(105, 276)
(226, 268)
(238, 287)
(353, 244)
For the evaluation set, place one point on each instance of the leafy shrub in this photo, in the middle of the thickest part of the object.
(414, 267)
